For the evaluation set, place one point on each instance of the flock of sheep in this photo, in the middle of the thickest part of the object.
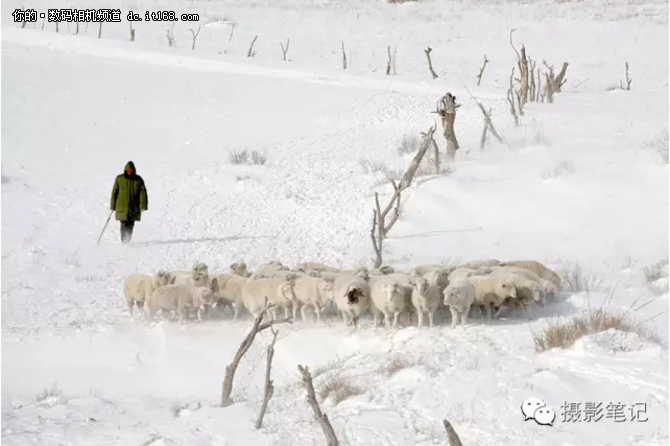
(487, 285)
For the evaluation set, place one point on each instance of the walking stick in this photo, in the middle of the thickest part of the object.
(105, 227)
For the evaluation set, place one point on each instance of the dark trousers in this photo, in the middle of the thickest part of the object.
(127, 231)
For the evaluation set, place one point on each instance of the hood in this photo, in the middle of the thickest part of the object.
(130, 165)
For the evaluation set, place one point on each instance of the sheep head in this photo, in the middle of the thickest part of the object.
(506, 288)
(163, 278)
(391, 290)
(420, 284)
(286, 290)
(239, 269)
(354, 293)
(386, 269)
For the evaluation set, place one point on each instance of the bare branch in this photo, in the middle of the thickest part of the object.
(252, 52)
(100, 30)
(511, 42)
(447, 110)
(628, 80)
(389, 63)
(452, 436)
(321, 418)
(232, 30)
(170, 36)
(395, 52)
(227, 388)
(195, 36)
(430, 62)
(132, 31)
(269, 385)
(344, 57)
(284, 49)
(510, 100)
(481, 71)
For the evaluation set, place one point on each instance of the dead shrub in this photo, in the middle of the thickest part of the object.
(245, 157)
(397, 364)
(659, 144)
(409, 144)
(370, 166)
(576, 280)
(654, 272)
(258, 158)
(239, 157)
(338, 388)
(564, 333)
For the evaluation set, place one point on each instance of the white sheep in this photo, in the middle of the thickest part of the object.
(474, 264)
(229, 292)
(463, 273)
(538, 268)
(311, 291)
(180, 298)
(425, 299)
(351, 294)
(277, 290)
(547, 289)
(423, 269)
(492, 290)
(138, 287)
(388, 295)
(315, 266)
(527, 291)
(438, 278)
(382, 270)
(239, 269)
(268, 269)
(459, 296)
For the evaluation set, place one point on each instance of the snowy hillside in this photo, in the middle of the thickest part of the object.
(580, 181)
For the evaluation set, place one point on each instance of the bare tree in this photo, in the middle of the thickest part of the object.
(522, 64)
(320, 417)
(232, 30)
(452, 436)
(269, 385)
(553, 82)
(380, 226)
(56, 26)
(430, 62)
(389, 62)
(100, 30)
(170, 36)
(446, 108)
(227, 388)
(76, 29)
(344, 57)
(481, 71)
(532, 87)
(284, 49)
(132, 31)
(628, 80)
(511, 99)
(194, 34)
(395, 52)
(252, 52)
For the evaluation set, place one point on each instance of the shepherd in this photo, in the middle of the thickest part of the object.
(129, 199)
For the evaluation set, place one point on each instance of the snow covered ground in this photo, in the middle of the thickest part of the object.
(576, 182)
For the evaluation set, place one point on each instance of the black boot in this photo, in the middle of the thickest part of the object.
(127, 231)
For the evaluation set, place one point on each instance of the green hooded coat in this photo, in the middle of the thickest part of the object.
(129, 195)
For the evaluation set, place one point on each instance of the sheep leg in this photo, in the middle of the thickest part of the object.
(317, 311)
(199, 313)
(489, 312)
(455, 316)
(396, 315)
(419, 316)
(236, 309)
(303, 312)
(431, 315)
(131, 306)
(464, 317)
(497, 313)
(387, 319)
(286, 312)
